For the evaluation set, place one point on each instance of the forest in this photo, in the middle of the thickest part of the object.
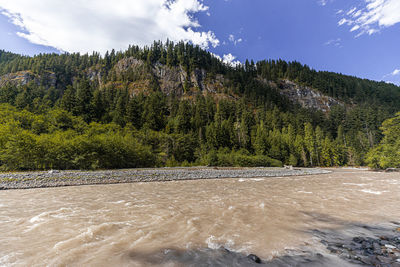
(179, 105)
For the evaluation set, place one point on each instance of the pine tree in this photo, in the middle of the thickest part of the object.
(97, 106)
(260, 142)
(68, 101)
(83, 99)
(184, 117)
(134, 111)
(309, 142)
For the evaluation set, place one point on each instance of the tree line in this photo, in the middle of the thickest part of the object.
(80, 122)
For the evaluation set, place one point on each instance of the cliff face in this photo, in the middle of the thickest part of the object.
(21, 78)
(306, 96)
(171, 80)
(175, 80)
(18, 78)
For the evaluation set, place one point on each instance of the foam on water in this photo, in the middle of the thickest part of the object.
(117, 202)
(94, 233)
(216, 243)
(5, 260)
(142, 238)
(39, 218)
(252, 179)
(257, 179)
(304, 192)
(368, 191)
(60, 213)
(361, 185)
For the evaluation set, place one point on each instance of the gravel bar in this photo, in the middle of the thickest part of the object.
(55, 178)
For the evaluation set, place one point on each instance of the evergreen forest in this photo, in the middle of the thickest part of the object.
(175, 104)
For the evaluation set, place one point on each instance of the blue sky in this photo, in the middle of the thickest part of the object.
(359, 38)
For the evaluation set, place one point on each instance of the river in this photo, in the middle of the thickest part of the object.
(186, 222)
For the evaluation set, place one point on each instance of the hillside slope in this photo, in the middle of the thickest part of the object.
(181, 105)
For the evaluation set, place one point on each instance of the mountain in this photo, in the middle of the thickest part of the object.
(176, 104)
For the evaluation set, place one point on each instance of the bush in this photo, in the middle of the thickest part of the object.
(104, 146)
(241, 158)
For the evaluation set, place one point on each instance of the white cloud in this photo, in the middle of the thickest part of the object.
(342, 21)
(395, 72)
(373, 16)
(87, 25)
(334, 42)
(392, 77)
(324, 2)
(357, 14)
(351, 11)
(230, 60)
(234, 40)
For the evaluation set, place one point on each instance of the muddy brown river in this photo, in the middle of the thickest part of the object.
(187, 223)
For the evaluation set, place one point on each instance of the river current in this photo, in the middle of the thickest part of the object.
(188, 222)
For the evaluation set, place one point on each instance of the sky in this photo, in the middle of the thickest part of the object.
(353, 37)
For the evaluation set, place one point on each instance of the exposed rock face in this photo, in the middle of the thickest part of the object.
(21, 78)
(171, 79)
(95, 74)
(175, 80)
(198, 77)
(17, 78)
(127, 63)
(307, 97)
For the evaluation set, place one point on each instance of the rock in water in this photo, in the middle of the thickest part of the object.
(254, 258)
(392, 170)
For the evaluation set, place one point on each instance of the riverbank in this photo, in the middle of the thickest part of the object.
(26, 180)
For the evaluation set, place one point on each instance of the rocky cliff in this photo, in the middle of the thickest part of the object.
(21, 78)
(171, 80)
(175, 80)
(306, 96)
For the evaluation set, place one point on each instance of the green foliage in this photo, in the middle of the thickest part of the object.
(99, 113)
(387, 153)
(240, 158)
(67, 144)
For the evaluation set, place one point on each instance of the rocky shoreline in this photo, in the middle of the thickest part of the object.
(373, 246)
(382, 251)
(26, 180)
(376, 246)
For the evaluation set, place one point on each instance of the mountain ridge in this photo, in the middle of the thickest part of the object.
(188, 107)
